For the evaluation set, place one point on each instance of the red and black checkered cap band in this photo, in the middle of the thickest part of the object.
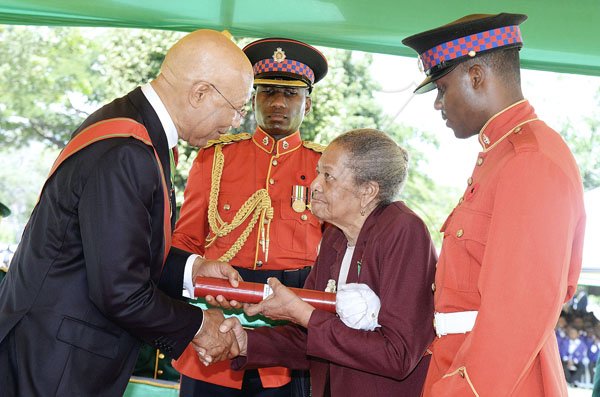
(287, 65)
(478, 42)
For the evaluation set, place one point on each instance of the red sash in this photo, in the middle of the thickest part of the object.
(119, 128)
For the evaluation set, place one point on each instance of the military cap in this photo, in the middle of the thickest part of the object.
(285, 62)
(4, 211)
(441, 49)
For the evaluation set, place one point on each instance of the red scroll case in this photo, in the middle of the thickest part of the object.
(248, 292)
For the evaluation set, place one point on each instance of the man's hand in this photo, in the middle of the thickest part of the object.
(282, 304)
(233, 324)
(210, 268)
(211, 344)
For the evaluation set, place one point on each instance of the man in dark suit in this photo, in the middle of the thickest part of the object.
(83, 291)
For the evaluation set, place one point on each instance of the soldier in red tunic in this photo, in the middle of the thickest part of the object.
(246, 202)
(512, 247)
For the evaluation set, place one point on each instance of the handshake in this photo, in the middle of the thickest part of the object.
(219, 338)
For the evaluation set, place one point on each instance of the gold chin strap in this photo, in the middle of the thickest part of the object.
(280, 82)
(258, 205)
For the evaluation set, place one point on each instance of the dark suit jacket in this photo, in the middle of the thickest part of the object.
(397, 260)
(81, 291)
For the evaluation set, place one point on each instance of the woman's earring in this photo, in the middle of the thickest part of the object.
(362, 211)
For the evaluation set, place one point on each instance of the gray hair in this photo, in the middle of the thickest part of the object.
(374, 157)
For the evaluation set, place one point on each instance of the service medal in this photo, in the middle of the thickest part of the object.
(299, 198)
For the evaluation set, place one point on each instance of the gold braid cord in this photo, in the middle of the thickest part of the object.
(228, 138)
(317, 147)
(258, 206)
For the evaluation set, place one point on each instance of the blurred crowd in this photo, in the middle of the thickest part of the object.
(578, 335)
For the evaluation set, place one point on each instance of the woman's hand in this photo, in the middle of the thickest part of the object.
(282, 304)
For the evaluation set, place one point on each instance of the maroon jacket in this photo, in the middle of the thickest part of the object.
(397, 260)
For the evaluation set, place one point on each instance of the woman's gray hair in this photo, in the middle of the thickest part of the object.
(374, 156)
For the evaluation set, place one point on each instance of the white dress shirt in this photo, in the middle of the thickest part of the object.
(172, 137)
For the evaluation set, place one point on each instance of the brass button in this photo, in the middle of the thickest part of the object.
(486, 139)
(272, 181)
(161, 356)
(160, 372)
(304, 217)
(517, 130)
(461, 372)
(470, 181)
(459, 233)
(433, 287)
(226, 207)
(274, 162)
(480, 161)
(259, 264)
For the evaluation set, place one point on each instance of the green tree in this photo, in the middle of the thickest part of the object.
(22, 173)
(584, 142)
(45, 78)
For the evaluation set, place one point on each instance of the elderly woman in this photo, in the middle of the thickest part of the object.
(375, 242)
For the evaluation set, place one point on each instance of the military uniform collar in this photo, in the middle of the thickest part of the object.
(503, 123)
(285, 145)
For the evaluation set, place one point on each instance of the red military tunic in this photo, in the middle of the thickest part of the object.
(512, 250)
(250, 164)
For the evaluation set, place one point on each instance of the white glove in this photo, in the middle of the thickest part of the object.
(358, 306)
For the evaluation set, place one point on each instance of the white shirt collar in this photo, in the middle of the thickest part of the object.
(163, 115)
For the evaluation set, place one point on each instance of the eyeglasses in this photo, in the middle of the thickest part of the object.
(240, 112)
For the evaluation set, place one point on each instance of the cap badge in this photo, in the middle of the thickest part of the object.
(279, 55)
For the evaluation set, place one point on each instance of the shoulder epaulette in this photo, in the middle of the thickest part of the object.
(226, 139)
(523, 139)
(317, 147)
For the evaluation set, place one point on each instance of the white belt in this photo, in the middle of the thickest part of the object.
(454, 323)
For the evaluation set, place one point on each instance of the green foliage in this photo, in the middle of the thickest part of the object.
(44, 76)
(22, 174)
(130, 57)
(584, 142)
